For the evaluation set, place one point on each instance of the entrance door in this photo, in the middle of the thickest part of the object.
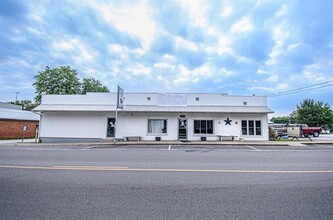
(110, 128)
(182, 129)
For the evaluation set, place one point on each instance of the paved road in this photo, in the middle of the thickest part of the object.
(232, 182)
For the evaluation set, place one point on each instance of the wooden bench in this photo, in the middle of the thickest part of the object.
(222, 137)
(132, 138)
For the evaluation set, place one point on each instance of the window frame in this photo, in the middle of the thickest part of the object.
(165, 123)
(251, 127)
(200, 129)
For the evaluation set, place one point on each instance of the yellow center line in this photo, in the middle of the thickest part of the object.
(107, 168)
(96, 167)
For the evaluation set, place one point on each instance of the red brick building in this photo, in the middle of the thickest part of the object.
(13, 120)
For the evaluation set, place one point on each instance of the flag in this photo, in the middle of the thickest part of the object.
(120, 98)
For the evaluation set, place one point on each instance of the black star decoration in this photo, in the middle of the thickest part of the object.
(228, 121)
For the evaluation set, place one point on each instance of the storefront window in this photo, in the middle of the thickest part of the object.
(251, 127)
(203, 127)
(157, 126)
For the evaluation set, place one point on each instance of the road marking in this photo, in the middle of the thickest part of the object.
(253, 148)
(169, 147)
(107, 168)
(91, 167)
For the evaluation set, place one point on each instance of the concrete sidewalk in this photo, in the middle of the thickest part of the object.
(188, 143)
(15, 141)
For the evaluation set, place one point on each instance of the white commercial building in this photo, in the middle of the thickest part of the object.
(170, 116)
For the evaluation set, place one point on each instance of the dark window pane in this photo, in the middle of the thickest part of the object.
(149, 126)
(210, 127)
(258, 127)
(203, 127)
(251, 131)
(196, 127)
(244, 131)
(251, 127)
(164, 130)
(244, 127)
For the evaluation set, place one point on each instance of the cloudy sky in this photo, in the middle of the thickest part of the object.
(244, 47)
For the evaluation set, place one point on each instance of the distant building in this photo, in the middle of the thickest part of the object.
(170, 116)
(13, 119)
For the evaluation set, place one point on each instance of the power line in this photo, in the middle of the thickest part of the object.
(303, 89)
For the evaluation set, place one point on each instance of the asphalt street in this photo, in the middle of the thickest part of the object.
(153, 182)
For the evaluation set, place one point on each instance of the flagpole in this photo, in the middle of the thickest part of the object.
(116, 118)
(115, 127)
(119, 105)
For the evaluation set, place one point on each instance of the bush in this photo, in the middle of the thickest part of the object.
(271, 133)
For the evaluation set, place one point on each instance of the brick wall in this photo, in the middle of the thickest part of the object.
(12, 129)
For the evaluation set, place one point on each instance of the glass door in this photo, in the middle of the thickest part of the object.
(182, 129)
(110, 128)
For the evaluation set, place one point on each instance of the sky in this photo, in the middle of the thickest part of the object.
(239, 47)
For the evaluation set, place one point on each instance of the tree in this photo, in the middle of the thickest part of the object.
(60, 80)
(93, 85)
(283, 119)
(26, 104)
(314, 113)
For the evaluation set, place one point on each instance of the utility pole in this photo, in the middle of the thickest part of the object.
(16, 94)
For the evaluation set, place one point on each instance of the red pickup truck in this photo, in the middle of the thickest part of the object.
(315, 131)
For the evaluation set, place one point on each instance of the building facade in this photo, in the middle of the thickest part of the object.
(16, 123)
(169, 116)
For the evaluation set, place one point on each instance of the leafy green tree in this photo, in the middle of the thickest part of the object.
(93, 85)
(60, 80)
(26, 104)
(314, 113)
(283, 119)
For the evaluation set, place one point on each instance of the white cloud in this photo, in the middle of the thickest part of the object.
(115, 48)
(77, 50)
(313, 74)
(181, 42)
(273, 78)
(227, 11)
(225, 72)
(162, 65)
(197, 10)
(133, 19)
(139, 69)
(224, 45)
(168, 57)
(66, 44)
(203, 71)
(186, 75)
(242, 25)
(140, 51)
